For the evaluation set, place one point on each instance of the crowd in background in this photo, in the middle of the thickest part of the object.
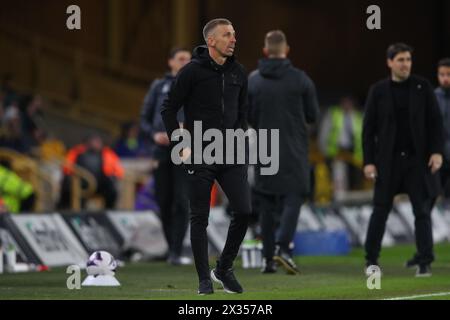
(336, 147)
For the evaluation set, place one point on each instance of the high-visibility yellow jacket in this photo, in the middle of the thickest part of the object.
(13, 189)
(337, 125)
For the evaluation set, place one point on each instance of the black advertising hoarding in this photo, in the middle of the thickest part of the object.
(94, 232)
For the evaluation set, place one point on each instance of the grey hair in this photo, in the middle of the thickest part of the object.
(211, 25)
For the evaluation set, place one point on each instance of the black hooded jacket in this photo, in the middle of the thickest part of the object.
(212, 93)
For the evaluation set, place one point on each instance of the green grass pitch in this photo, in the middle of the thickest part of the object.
(322, 278)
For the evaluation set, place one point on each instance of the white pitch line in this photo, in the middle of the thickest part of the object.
(440, 294)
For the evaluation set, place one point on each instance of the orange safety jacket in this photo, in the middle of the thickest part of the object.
(111, 162)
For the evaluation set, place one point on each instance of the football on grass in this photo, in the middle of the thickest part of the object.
(101, 263)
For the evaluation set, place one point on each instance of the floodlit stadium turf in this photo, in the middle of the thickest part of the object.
(321, 278)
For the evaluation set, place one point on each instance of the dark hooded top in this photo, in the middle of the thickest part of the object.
(212, 93)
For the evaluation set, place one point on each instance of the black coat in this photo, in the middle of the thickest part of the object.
(379, 132)
(284, 97)
(211, 93)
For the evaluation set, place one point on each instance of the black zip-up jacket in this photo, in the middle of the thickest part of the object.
(151, 120)
(211, 93)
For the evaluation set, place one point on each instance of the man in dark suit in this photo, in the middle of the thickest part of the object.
(403, 146)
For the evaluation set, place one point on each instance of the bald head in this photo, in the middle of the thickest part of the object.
(275, 44)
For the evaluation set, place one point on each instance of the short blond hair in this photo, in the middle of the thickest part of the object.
(275, 42)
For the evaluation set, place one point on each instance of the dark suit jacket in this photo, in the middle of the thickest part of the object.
(379, 131)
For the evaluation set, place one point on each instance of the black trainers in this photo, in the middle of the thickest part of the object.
(227, 280)
(285, 260)
(423, 270)
(270, 266)
(412, 263)
(205, 287)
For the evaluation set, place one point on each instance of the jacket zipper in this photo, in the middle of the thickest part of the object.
(223, 94)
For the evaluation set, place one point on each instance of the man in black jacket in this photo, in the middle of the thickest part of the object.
(170, 180)
(282, 97)
(212, 88)
(403, 145)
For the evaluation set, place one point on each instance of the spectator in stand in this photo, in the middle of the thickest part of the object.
(130, 144)
(51, 148)
(101, 161)
(2, 116)
(12, 136)
(6, 88)
(340, 140)
(31, 114)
